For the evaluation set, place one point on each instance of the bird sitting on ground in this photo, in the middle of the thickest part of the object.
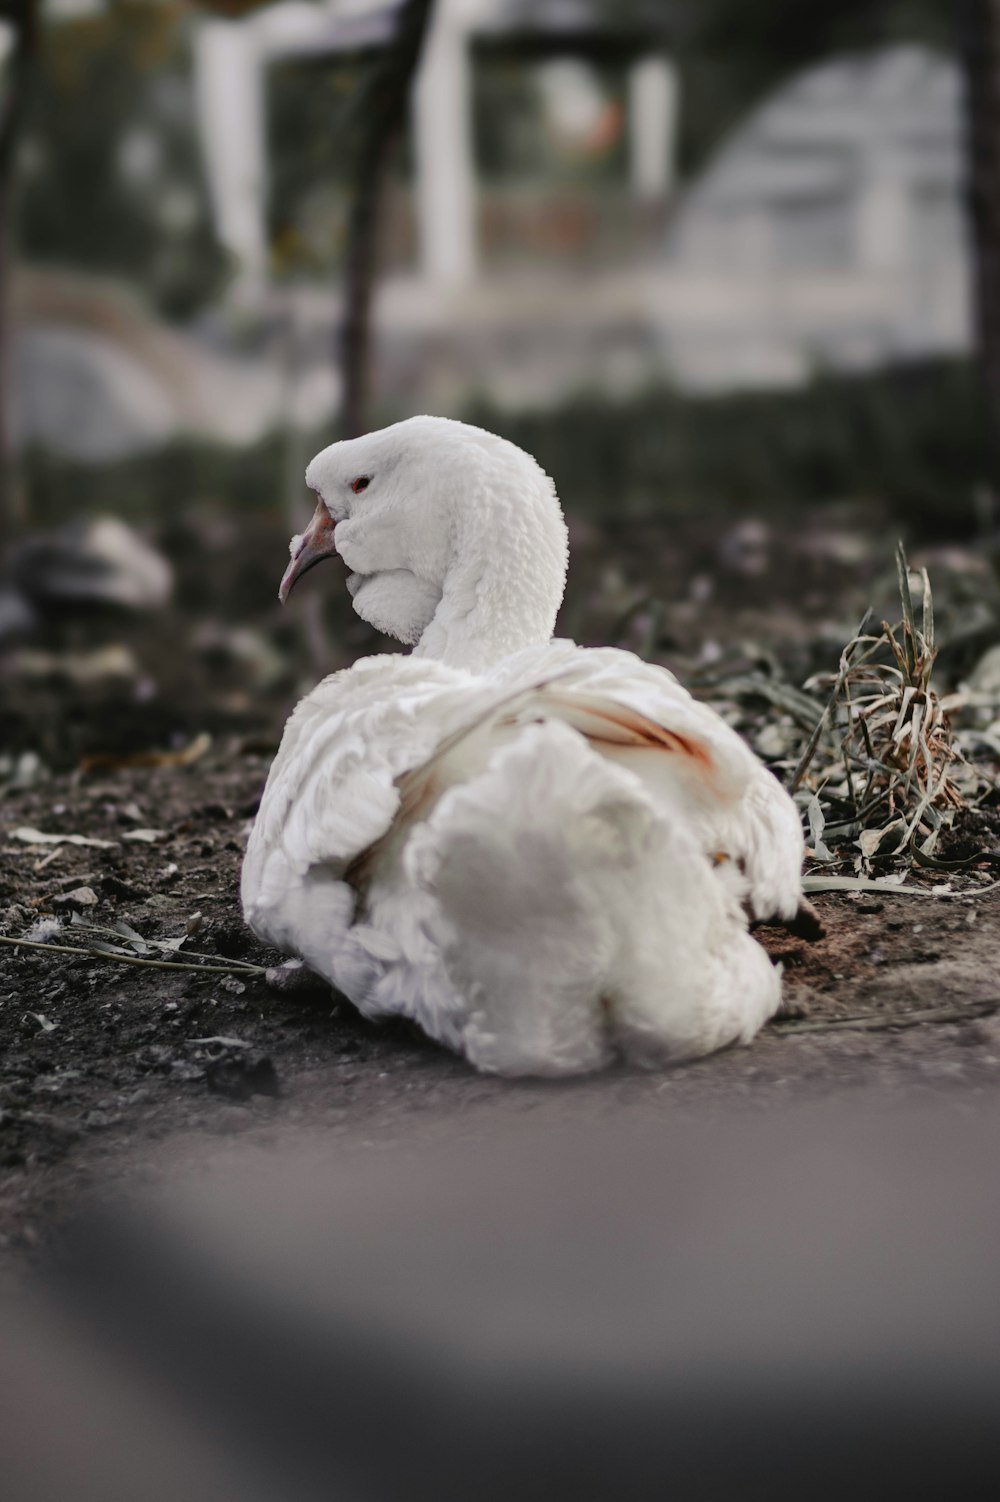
(544, 855)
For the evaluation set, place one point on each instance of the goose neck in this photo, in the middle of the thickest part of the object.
(503, 587)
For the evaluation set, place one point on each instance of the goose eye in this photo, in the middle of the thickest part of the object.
(361, 483)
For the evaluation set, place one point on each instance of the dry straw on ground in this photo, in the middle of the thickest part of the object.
(891, 755)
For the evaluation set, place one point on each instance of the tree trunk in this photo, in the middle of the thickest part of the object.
(23, 16)
(384, 105)
(981, 48)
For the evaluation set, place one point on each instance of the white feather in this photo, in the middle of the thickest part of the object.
(538, 852)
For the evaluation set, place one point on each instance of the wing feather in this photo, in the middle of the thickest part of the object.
(371, 751)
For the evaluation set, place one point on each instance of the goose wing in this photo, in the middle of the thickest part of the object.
(738, 808)
(696, 767)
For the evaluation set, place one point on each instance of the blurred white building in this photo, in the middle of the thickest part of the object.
(232, 62)
(829, 232)
(98, 378)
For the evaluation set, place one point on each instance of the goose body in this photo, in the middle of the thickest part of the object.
(542, 854)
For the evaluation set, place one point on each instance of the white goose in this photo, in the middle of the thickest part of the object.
(541, 853)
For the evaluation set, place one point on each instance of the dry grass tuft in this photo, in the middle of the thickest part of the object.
(891, 754)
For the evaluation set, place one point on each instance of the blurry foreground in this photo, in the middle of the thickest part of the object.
(796, 1305)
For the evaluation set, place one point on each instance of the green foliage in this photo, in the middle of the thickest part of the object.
(111, 177)
(512, 142)
(314, 134)
(735, 52)
(159, 487)
(916, 437)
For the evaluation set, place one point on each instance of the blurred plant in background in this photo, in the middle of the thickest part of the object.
(111, 175)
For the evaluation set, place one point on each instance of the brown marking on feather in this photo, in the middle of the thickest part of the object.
(635, 729)
(359, 873)
(420, 788)
(418, 792)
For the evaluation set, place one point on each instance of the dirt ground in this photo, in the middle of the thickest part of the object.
(100, 1060)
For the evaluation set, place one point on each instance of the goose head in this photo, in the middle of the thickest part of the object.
(454, 538)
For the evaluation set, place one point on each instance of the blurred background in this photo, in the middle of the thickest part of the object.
(729, 268)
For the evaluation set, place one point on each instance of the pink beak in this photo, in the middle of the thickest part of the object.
(315, 544)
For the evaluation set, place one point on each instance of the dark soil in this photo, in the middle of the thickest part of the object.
(100, 1060)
